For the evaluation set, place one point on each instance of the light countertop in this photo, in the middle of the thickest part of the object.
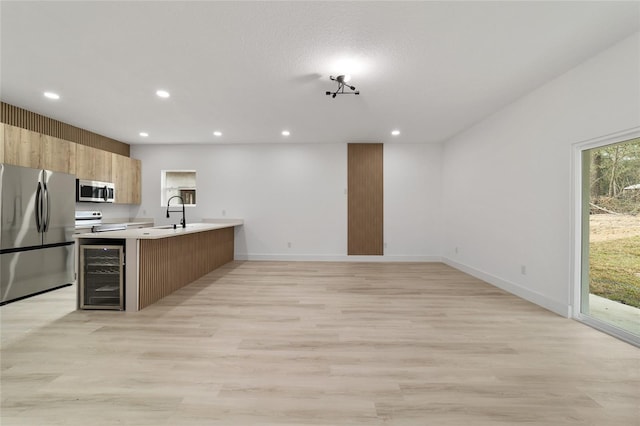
(147, 223)
(129, 223)
(160, 231)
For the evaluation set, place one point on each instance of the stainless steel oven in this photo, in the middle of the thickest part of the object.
(95, 191)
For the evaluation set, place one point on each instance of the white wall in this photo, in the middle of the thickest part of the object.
(413, 201)
(507, 181)
(297, 193)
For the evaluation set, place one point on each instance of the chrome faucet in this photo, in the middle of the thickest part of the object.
(183, 222)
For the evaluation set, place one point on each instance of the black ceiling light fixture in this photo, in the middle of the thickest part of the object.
(342, 83)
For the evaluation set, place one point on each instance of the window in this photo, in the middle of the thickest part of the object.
(178, 183)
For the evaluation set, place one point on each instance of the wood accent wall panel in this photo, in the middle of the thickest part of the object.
(25, 119)
(365, 199)
(168, 264)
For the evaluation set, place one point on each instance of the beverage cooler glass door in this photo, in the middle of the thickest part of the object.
(101, 277)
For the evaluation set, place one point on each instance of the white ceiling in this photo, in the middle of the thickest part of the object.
(252, 69)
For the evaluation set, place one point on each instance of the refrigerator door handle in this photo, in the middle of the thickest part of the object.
(46, 205)
(39, 207)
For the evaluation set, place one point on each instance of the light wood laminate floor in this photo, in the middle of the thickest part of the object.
(303, 343)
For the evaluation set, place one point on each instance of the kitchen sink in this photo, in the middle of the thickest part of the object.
(178, 226)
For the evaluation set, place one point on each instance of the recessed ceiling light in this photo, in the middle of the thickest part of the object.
(217, 133)
(285, 133)
(395, 132)
(144, 134)
(51, 95)
(162, 93)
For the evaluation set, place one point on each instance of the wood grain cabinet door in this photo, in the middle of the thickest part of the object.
(93, 164)
(2, 130)
(58, 154)
(365, 199)
(22, 147)
(26, 148)
(126, 177)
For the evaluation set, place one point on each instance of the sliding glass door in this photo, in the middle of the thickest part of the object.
(610, 264)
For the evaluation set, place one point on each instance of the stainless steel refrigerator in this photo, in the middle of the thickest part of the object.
(37, 222)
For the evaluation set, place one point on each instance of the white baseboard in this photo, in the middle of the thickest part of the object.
(336, 258)
(515, 289)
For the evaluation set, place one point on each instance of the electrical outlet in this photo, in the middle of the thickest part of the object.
(523, 269)
(385, 245)
(456, 250)
(289, 244)
(224, 212)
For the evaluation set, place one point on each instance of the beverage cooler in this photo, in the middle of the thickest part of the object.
(102, 277)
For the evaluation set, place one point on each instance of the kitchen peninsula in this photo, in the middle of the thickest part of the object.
(161, 260)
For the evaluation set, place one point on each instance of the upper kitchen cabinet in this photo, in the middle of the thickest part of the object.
(127, 179)
(58, 155)
(1, 142)
(26, 148)
(93, 164)
(22, 147)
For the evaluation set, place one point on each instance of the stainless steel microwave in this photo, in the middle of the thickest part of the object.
(95, 191)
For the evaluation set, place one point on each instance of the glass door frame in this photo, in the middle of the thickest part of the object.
(580, 234)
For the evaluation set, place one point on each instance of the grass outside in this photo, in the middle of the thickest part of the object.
(614, 268)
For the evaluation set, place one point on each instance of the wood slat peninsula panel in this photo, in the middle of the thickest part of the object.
(365, 199)
(168, 264)
(20, 117)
